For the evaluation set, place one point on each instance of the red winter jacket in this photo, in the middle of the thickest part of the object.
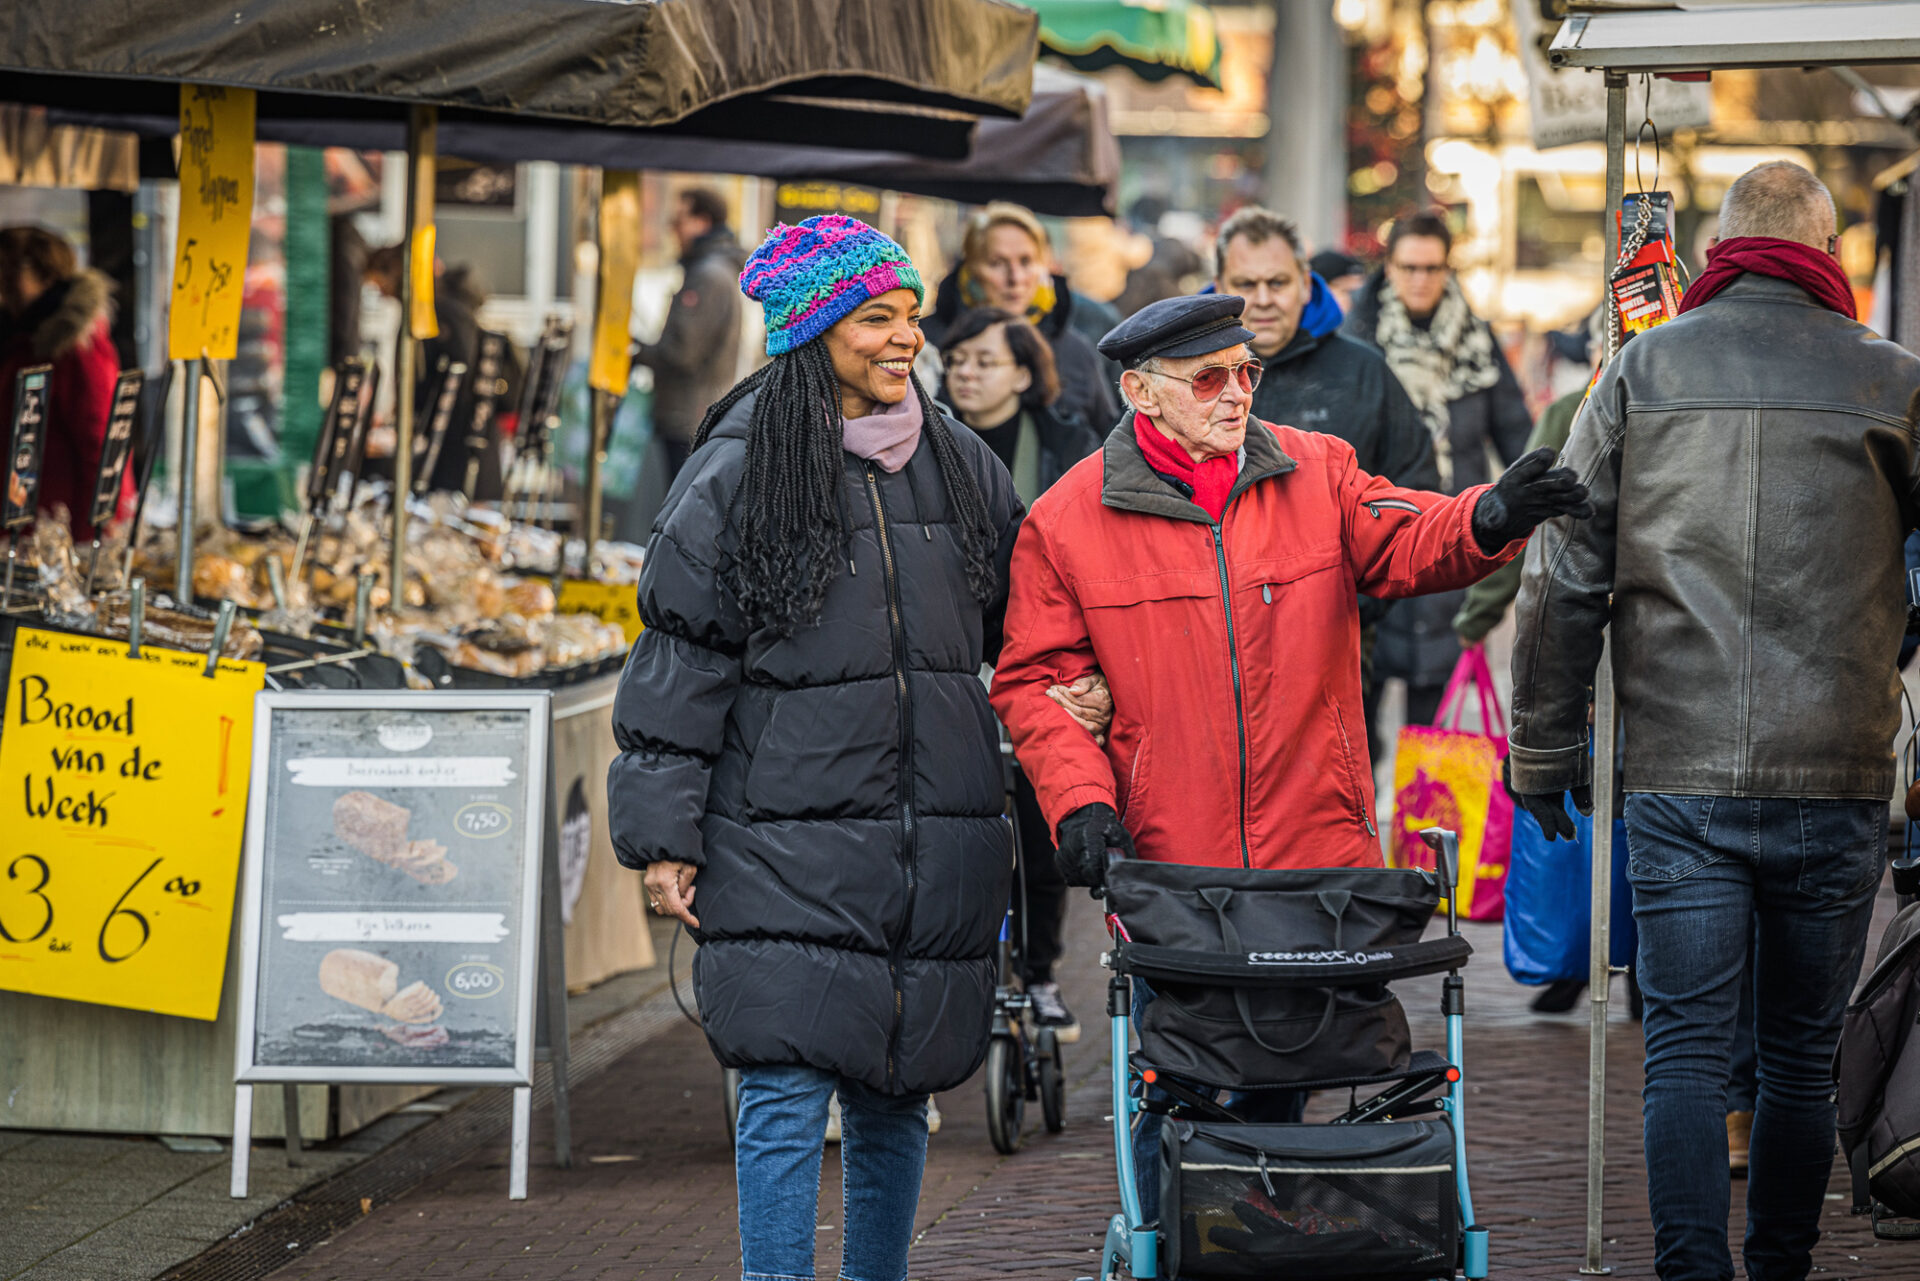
(67, 327)
(1238, 736)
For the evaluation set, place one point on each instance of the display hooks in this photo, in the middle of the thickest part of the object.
(1631, 241)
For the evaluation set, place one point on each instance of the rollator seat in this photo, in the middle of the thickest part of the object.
(1422, 1063)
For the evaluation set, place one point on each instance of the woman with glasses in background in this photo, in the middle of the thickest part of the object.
(1452, 367)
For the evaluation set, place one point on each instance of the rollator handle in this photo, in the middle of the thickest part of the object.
(1446, 857)
(1906, 877)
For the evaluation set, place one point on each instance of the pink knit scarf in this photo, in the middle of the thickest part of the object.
(888, 437)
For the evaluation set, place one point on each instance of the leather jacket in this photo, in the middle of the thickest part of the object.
(1752, 467)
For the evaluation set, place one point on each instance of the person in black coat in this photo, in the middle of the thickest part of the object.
(1453, 370)
(809, 771)
(1004, 263)
(1002, 383)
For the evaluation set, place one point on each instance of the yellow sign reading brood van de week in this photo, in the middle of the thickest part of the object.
(123, 796)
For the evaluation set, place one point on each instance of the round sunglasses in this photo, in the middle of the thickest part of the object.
(1212, 380)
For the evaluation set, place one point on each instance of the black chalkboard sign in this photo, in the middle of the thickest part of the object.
(343, 411)
(117, 448)
(427, 444)
(29, 441)
(392, 887)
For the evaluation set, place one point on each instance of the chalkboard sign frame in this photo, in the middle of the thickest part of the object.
(533, 782)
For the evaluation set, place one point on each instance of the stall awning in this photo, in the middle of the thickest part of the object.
(906, 74)
(1724, 36)
(1152, 38)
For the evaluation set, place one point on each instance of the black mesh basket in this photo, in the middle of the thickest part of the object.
(1309, 1202)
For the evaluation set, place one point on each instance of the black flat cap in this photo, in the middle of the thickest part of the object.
(1186, 326)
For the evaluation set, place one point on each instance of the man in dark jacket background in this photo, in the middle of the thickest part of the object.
(693, 363)
(1318, 379)
(1753, 468)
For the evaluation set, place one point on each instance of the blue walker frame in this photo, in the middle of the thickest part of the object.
(1132, 1244)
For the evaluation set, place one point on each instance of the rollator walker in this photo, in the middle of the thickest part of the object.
(1237, 961)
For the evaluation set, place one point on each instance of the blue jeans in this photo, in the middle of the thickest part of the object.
(883, 1149)
(1793, 879)
(1253, 1105)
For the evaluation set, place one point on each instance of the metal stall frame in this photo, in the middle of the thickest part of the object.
(1673, 41)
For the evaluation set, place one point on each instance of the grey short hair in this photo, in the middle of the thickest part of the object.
(1258, 225)
(1778, 199)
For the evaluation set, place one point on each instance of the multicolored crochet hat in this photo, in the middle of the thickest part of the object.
(805, 278)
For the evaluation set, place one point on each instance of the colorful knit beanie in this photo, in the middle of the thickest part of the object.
(805, 278)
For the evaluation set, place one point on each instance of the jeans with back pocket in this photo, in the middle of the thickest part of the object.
(1795, 879)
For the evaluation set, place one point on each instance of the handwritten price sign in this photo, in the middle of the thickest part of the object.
(216, 215)
(123, 794)
(608, 602)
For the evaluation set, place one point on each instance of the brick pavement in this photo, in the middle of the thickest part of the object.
(652, 1193)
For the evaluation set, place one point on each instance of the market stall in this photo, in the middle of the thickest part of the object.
(1677, 41)
(422, 594)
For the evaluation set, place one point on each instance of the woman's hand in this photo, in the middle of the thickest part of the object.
(670, 890)
(1088, 701)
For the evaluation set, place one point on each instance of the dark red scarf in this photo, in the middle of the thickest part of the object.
(1805, 266)
(1211, 481)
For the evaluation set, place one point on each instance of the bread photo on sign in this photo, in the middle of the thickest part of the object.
(372, 982)
(378, 829)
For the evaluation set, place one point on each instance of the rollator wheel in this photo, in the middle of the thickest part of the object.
(1006, 1094)
(730, 1099)
(1053, 1081)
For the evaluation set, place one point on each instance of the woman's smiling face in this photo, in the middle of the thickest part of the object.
(872, 348)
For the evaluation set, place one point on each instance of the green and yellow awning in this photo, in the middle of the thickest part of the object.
(1153, 38)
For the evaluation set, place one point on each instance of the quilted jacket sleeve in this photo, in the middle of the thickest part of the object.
(1047, 643)
(670, 715)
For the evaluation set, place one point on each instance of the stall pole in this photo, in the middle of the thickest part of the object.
(1599, 972)
(421, 145)
(189, 461)
(600, 418)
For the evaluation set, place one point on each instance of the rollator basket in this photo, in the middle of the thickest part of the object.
(1309, 1202)
(1271, 978)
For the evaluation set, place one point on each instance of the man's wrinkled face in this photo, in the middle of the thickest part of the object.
(1163, 391)
(1269, 276)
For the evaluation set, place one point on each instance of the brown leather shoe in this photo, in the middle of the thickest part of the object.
(1739, 1139)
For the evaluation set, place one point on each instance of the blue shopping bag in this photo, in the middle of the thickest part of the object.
(1548, 886)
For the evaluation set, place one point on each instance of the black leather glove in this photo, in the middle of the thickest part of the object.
(1086, 835)
(1530, 491)
(1549, 809)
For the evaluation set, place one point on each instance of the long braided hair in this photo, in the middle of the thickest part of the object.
(787, 512)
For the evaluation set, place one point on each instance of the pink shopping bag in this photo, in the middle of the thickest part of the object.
(1446, 776)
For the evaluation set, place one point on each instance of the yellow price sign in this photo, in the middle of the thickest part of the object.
(216, 217)
(124, 787)
(612, 363)
(608, 602)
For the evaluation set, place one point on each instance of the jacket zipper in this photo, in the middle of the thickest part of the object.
(1353, 769)
(902, 692)
(1239, 702)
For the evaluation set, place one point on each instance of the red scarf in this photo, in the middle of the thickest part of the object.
(1211, 481)
(1805, 266)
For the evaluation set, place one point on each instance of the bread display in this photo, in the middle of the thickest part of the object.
(417, 1004)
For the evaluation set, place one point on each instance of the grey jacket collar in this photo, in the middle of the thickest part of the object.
(1128, 484)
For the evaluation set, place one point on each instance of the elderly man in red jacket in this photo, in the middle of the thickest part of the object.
(1207, 562)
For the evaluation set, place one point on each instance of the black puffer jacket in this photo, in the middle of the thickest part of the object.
(840, 790)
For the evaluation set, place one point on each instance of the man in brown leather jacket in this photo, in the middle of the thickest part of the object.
(1753, 471)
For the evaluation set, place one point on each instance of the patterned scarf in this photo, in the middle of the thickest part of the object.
(1449, 359)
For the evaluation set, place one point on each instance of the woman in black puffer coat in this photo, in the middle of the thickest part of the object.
(809, 770)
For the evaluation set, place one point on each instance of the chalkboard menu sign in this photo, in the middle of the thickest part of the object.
(29, 440)
(392, 887)
(117, 448)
